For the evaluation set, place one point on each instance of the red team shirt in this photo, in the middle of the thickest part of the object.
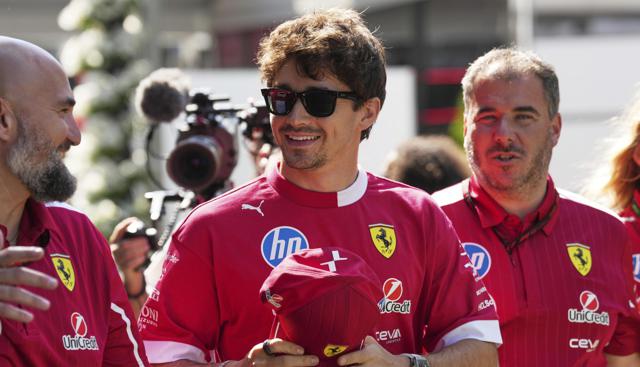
(90, 322)
(631, 218)
(561, 294)
(207, 301)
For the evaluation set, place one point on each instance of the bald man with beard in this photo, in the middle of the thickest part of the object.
(61, 300)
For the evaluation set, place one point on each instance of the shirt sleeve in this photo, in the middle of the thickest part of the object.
(180, 318)
(460, 305)
(124, 344)
(626, 337)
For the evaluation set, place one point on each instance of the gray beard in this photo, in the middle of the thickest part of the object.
(47, 180)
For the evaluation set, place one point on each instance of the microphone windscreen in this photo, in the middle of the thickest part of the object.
(162, 95)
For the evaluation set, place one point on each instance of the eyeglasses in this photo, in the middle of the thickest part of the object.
(317, 102)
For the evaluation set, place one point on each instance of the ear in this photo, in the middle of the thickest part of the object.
(370, 111)
(7, 121)
(556, 127)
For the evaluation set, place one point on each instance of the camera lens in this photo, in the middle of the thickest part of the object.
(194, 162)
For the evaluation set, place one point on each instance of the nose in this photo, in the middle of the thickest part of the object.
(298, 114)
(504, 133)
(73, 132)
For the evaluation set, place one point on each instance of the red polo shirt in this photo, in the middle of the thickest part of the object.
(563, 292)
(90, 322)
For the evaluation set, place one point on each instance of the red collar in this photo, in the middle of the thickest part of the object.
(35, 225)
(492, 215)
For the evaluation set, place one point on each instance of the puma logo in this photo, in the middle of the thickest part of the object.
(256, 208)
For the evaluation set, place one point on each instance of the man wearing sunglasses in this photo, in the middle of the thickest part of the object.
(558, 267)
(325, 76)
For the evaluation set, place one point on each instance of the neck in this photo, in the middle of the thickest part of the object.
(519, 202)
(13, 196)
(323, 179)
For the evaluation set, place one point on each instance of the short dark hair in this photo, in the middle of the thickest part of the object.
(510, 63)
(430, 163)
(335, 41)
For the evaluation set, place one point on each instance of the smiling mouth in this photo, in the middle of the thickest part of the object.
(302, 138)
(504, 157)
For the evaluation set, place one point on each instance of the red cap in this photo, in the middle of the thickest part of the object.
(325, 300)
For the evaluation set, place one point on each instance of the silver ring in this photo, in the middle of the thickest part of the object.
(267, 348)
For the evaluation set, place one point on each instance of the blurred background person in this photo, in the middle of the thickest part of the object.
(430, 163)
(616, 183)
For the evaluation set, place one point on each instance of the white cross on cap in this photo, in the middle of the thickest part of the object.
(332, 264)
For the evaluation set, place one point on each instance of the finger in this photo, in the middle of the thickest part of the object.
(19, 254)
(279, 346)
(360, 356)
(1, 239)
(29, 277)
(23, 297)
(288, 360)
(120, 228)
(11, 312)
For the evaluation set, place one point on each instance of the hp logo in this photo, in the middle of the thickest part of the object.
(281, 242)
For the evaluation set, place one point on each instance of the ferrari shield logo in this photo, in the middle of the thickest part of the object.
(64, 268)
(580, 256)
(384, 238)
(333, 350)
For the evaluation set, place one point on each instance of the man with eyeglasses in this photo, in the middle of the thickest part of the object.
(558, 267)
(326, 78)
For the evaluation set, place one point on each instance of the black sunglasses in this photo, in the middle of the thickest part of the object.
(317, 102)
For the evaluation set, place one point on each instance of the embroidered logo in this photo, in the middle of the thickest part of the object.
(280, 242)
(332, 350)
(79, 341)
(479, 257)
(64, 268)
(580, 256)
(636, 267)
(256, 208)
(384, 238)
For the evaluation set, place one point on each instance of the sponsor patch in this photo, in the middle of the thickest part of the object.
(479, 257)
(384, 238)
(64, 269)
(79, 341)
(391, 303)
(580, 256)
(588, 344)
(588, 314)
(332, 350)
(389, 336)
(280, 242)
(636, 267)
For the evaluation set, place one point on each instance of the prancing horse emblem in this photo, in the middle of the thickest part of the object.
(256, 208)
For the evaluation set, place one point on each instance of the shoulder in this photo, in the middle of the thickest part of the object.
(386, 189)
(66, 215)
(450, 195)
(577, 205)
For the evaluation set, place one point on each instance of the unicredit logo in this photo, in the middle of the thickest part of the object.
(78, 324)
(589, 301)
(392, 290)
(588, 314)
(78, 341)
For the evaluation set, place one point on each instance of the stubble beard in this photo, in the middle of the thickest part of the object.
(46, 179)
(517, 186)
(298, 159)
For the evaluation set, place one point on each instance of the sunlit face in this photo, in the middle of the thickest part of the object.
(308, 142)
(509, 135)
(46, 131)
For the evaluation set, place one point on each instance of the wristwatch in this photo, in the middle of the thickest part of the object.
(417, 360)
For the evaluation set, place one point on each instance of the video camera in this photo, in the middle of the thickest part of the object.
(205, 152)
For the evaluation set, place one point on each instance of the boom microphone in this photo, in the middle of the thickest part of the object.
(162, 95)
